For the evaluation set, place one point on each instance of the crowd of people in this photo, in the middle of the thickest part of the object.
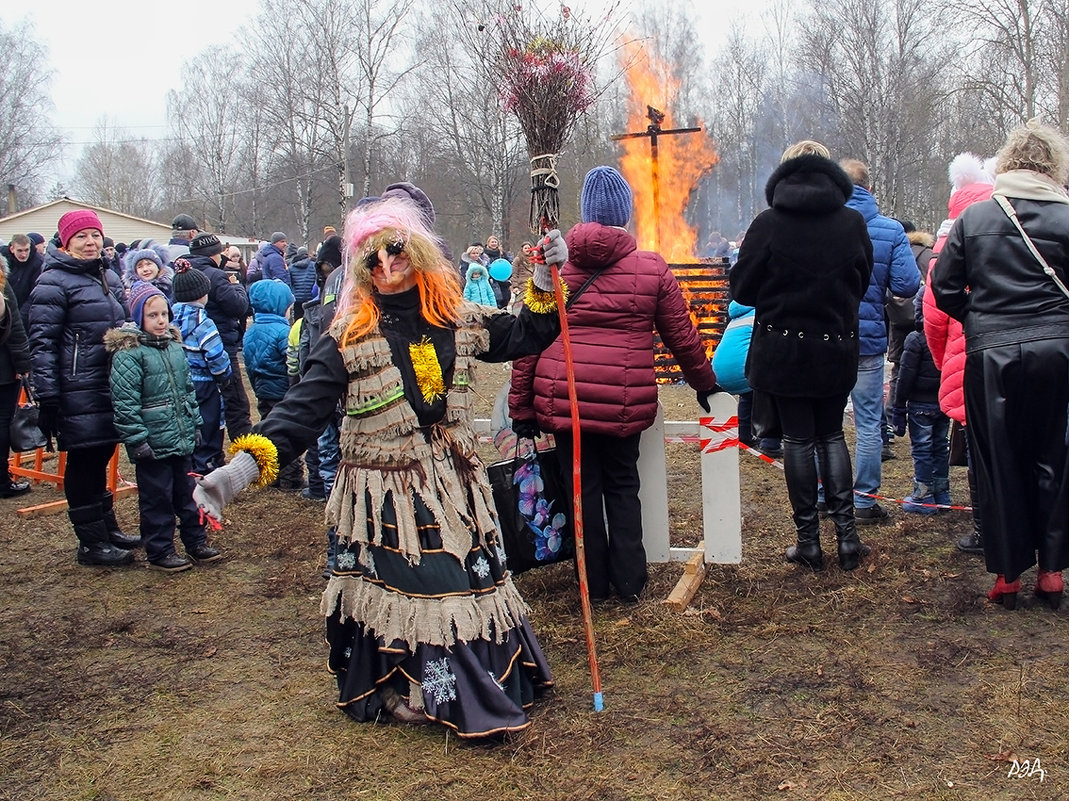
(362, 356)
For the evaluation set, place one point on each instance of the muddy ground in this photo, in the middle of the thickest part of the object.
(897, 681)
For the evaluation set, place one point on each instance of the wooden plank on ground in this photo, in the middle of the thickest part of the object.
(687, 586)
(42, 509)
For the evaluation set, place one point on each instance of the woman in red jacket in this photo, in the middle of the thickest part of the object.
(611, 325)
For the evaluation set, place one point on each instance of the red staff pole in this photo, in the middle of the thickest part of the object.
(577, 493)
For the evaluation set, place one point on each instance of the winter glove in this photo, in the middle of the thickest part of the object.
(553, 251)
(898, 422)
(142, 453)
(198, 438)
(526, 429)
(225, 383)
(48, 418)
(705, 394)
(218, 488)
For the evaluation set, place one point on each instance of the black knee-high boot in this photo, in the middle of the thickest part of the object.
(94, 548)
(838, 480)
(801, 474)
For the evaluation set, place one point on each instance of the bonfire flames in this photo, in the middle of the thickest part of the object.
(663, 171)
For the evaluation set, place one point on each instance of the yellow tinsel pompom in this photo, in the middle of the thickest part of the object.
(428, 370)
(263, 451)
(541, 302)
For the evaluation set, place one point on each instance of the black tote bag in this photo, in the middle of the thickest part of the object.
(25, 435)
(533, 509)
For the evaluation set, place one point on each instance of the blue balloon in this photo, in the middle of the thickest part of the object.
(500, 270)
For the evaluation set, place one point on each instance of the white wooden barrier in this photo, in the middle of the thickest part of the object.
(721, 510)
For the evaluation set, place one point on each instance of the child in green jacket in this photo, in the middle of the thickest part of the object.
(157, 417)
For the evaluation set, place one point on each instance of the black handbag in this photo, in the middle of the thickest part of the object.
(24, 433)
(533, 509)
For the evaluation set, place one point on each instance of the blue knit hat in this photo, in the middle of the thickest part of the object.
(606, 197)
(139, 295)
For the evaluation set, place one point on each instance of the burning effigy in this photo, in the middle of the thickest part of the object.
(664, 164)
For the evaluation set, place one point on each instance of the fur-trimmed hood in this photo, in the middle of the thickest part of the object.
(808, 184)
(477, 267)
(129, 336)
(922, 238)
(129, 274)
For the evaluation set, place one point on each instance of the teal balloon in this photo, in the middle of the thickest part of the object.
(500, 270)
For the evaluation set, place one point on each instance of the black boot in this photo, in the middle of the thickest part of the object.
(94, 547)
(801, 474)
(974, 542)
(115, 534)
(839, 496)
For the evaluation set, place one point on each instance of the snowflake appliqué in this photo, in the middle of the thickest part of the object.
(345, 561)
(439, 681)
(481, 568)
(348, 653)
(495, 680)
(369, 561)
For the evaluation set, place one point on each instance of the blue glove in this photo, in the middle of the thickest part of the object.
(898, 422)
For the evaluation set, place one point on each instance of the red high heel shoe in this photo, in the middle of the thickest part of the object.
(1005, 592)
(1049, 587)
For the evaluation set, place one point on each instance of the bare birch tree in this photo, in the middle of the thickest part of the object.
(29, 145)
(213, 139)
(119, 173)
(880, 64)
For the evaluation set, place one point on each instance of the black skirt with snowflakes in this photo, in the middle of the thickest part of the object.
(451, 637)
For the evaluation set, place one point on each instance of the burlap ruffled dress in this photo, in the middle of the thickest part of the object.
(419, 603)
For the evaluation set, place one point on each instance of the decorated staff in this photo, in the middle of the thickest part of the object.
(422, 618)
(545, 69)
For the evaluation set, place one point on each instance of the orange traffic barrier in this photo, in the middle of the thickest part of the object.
(31, 465)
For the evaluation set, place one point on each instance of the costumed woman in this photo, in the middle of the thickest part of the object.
(423, 621)
(1005, 278)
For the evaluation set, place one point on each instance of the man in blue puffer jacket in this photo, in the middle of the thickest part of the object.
(893, 268)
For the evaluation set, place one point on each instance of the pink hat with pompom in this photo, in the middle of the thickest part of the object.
(971, 181)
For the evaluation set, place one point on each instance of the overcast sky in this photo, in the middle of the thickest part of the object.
(119, 58)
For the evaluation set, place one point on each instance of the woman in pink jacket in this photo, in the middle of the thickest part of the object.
(971, 183)
(630, 294)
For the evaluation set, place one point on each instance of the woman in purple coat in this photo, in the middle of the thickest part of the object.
(612, 322)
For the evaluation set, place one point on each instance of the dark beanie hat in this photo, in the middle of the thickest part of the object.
(109, 242)
(140, 292)
(35, 237)
(411, 192)
(330, 251)
(189, 283)
(278, 236)
(205, 245)
(606, 197)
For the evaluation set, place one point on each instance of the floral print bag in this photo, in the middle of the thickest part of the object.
(533, 509)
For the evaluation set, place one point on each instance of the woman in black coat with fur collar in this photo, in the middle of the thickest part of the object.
(804, 265)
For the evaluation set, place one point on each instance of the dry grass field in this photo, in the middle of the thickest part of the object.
(896, 681)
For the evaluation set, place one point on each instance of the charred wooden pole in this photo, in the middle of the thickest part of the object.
(653, 130)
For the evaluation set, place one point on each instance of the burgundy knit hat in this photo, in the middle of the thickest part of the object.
(74, 221)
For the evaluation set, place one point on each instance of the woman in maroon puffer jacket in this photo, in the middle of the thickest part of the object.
(611, 326)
